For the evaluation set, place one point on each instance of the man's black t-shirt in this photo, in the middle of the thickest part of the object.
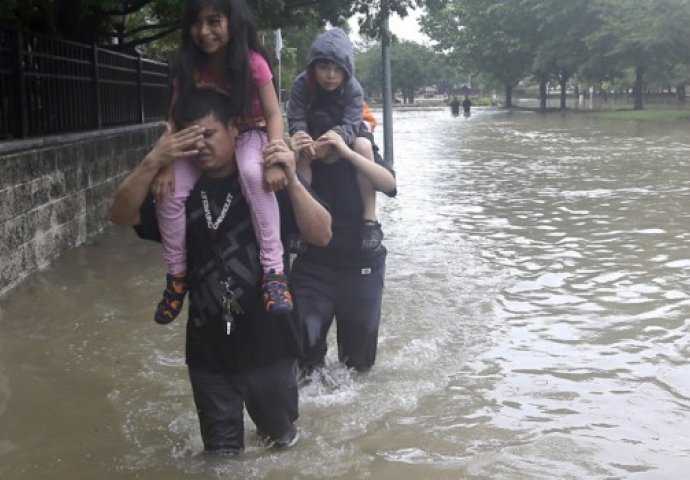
(257, 338)
(336, 184)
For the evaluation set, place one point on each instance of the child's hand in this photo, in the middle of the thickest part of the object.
(275, 178)
(329, 142)
(164, 182)
(303, 145)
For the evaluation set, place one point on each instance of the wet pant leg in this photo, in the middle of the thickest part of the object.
(219, 406)
(271, 399)
(358, 314)
(314, 295)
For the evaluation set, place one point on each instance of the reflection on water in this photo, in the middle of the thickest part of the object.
(535, 326)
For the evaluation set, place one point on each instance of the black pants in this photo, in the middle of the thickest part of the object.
(269, 393)
(353, 297)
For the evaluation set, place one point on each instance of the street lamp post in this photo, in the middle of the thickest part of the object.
(387, 89)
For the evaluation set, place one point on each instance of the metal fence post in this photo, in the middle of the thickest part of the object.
(140, 85)
(96, 87)
(21, 106)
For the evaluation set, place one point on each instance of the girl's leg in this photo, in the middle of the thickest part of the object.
(265, 214)
(172, 224)
(172, 221)
(262, 203)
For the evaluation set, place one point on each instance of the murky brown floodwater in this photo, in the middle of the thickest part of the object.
(535, 326)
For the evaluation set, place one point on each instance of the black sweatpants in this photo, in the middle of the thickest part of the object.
(352, 296)
(269, 393)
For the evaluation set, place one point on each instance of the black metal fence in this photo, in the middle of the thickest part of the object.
(49, 85)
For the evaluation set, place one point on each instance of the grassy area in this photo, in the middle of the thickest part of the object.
(648, 114)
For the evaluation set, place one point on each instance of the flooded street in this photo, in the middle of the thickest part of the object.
(536, 326)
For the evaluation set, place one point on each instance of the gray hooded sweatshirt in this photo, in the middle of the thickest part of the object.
(315, 111)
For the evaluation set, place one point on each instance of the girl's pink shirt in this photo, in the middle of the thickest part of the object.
(261, 75)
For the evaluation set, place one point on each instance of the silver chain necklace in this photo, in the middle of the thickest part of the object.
(213, 226)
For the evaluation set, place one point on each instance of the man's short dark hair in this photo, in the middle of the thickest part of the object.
(199, 103)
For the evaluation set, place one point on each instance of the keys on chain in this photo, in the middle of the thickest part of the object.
(231, 306)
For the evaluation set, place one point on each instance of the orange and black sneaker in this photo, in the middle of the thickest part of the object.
(277, 297)
(173, 297)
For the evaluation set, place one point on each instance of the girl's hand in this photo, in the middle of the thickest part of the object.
(328, 144)
(164, 182)
(303, 145)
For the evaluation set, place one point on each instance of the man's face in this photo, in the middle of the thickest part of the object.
(216, 156)
(329, 75)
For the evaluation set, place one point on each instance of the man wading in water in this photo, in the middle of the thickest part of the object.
(237, 354)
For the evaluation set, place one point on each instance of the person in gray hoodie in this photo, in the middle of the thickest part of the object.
(344, 280)
(327, 96)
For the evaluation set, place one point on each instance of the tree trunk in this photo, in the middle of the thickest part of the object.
(563, 92)
(509, 96)
(542, 94)
(680, 91)
(576, 90)
(638, 92)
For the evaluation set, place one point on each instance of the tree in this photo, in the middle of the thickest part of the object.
(484, 36)
(368, 70)
(97, 21)
(412, 65)
(560, 29)
(642, 35)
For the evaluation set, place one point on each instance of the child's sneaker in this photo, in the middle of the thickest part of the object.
(372, 235)
(277, 298)
(173, 297)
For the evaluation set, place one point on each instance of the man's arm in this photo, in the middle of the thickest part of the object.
(132, 192)
(382, 178)
(312, 219)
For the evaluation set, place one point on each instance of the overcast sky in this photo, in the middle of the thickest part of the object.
(405, 28)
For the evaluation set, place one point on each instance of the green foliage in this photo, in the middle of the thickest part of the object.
(492, 37)
(599, 40)
(413, 66)
(95, 20)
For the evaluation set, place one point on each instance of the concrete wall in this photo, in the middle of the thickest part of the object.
(55, 192)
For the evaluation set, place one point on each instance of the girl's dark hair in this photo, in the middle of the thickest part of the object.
(243, 39)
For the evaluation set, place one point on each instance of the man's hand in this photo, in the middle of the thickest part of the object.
(171, 147)
(277, 155)
(274, 178)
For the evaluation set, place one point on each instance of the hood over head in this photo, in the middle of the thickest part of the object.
(335, 46)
